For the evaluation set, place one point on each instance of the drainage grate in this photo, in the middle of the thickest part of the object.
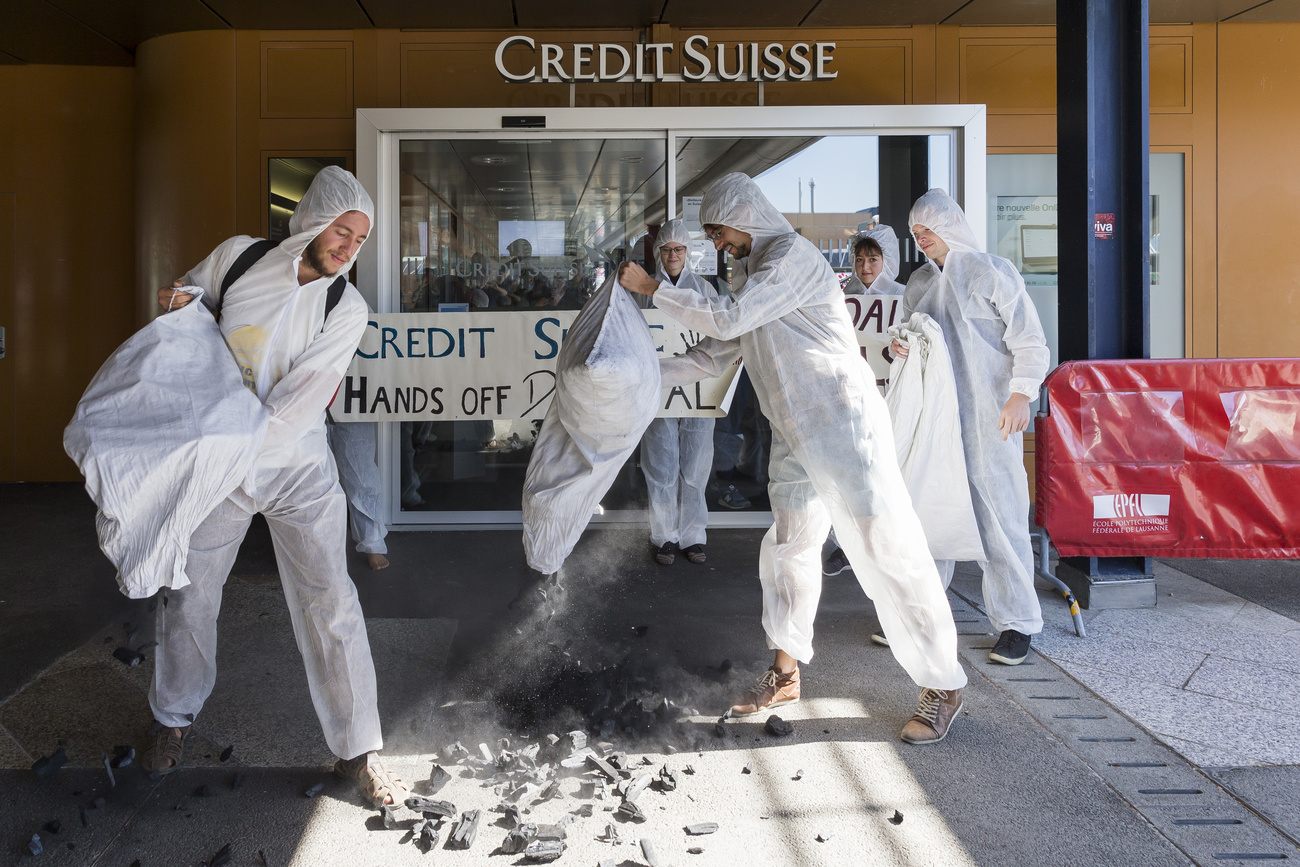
(1031, 680)
(1108, 740)
(1056, 697)
(1079, 716)
(1170, 792)
(1249, 856)
(1137, 764)
(1207, 821)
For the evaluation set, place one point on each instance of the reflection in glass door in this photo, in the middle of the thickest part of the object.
(504, 226)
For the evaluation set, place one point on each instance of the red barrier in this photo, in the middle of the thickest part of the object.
(1185, 458)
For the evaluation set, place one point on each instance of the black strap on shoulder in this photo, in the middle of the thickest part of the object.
(246, 260)
(250, 257)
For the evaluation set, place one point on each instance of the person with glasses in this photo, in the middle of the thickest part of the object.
(677, 453)
(833, 459)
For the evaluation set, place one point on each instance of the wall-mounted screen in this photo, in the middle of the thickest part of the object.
(526, 238)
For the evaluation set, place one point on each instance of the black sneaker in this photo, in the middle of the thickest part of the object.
(835, 563)
(1011, 649)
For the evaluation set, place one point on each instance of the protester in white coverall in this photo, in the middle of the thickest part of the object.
(999, 360)
(293, 358)
(833, 455)
(677, 453)
(875, 263)
(353, 447)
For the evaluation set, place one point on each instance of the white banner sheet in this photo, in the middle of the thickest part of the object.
(461, 366)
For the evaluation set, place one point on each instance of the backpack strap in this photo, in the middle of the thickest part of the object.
(251, 255)
(246, 260)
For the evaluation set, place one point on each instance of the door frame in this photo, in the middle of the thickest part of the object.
(381, 130)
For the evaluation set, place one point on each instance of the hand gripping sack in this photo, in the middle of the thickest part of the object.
(163, 434)
(922, 401)
(606, 395)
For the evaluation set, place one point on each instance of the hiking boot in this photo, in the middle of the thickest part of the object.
(695, 553)
(732, 498)
(1011, 649)
(165, 750)
(835, 563)
(879, 638)
(665, 554)
(934, 714)
(773, 689)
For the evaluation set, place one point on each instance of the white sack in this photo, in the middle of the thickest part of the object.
(164, 433)
(606, 394)
(922, 401)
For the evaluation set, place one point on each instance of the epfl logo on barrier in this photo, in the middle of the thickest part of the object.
(1135, 511)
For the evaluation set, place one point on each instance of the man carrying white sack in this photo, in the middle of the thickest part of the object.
(999, 359)
(677, 453)
(292, 351)
(833, 456)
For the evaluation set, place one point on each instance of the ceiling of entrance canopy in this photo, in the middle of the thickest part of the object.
(106, 32)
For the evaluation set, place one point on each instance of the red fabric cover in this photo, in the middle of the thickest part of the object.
(1220, 438)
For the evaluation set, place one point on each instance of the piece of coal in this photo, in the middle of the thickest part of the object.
(629, 811)
(261, 856)
(203, 791)
(54, 826)
(454, 752)
(689, 770)
(604, 767)
(897, 818)
(389, 816)
(128, 656)
(667, 779)
(108, 769)
(719, 730)
(426, 832)
(314, 790)
(648, 850)
(437, 780)
(123, 756)
(798, 775)
(429, 806)
(695, 850)
(132, 636)
(725, 666)
(148, 645)
(777, 727)
(462, 836)
(236, 781)
(34, 845)
(190, 717)
(544, 851)
(584, 812)
(47, 765)
(227, 752)
(748, 769)
(518, 839)
(825, 836)
(632, 790)
(222, 857)
(574, 740)
(611, 835)
(702, 828)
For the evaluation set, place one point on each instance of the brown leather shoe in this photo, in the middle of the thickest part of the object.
(934, 714)
(773, 689)
(165, 751)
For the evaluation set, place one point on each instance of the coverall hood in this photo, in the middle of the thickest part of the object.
(672, 232)
(333, 192)
(937, 211)
(735, 200)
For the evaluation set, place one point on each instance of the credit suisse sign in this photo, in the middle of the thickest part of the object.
(701, 61)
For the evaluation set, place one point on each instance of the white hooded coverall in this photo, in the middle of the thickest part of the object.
(677, 453)
(997, 347)
(293, 359)
(886, 282)
(833, 455)
(353, 447)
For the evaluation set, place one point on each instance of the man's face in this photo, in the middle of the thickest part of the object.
(868, 264)
(730, 240)
(673, 257)
(931, 244)
(334, 247)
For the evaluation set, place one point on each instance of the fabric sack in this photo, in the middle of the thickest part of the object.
(164, 433)
(606, 395)
(922, 401)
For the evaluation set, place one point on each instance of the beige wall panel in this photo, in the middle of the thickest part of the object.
(184, 155)
(1202, 167)
(306, 79)
(868, 74)
(68, 149)
(454, 76)
(1259, 186)
(1010, 76)
(1029, 132)
(1169, 78)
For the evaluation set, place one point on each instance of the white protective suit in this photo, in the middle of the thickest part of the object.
(165, 431)
(293, 360)
(606, 394)
(997, 348)
(885, 283)
(677, 453)
(832, 448)
(353, 447)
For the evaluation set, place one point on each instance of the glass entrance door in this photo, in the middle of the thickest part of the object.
(501, 227)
